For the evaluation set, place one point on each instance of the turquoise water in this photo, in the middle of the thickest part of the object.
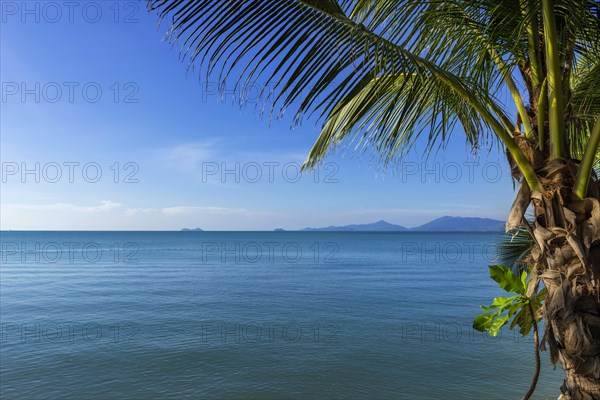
(254, 315)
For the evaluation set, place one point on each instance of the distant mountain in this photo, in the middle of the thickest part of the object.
(192, 230)
(379, 226)
(443, 224)
(279, 230)
(461, 224)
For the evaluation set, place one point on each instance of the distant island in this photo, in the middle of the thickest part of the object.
(379, 226)
(462, 224)
(443, 224)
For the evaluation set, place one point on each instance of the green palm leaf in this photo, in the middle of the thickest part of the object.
(379, 74)
(316, 55)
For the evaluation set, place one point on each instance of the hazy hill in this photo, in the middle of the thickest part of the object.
(443, 224)
(461, 224)
(379, 226)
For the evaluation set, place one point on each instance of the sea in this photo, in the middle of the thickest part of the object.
(256, 315)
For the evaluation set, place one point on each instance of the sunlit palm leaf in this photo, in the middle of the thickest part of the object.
(313, 57)
(430, 65)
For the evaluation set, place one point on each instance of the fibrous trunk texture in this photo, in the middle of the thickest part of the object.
(566, 259)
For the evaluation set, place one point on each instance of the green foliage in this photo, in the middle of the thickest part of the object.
(379, 74)
(522, 309)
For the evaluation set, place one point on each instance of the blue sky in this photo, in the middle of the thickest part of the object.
(85, 94)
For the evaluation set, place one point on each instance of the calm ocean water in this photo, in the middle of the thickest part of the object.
(254, 315)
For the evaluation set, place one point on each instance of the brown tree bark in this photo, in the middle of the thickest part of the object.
(567, 261)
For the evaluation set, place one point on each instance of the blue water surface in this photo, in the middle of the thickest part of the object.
(255, 315)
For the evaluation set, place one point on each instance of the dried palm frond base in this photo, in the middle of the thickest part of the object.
(566, 259)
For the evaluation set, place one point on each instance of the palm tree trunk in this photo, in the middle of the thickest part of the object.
(567, 261)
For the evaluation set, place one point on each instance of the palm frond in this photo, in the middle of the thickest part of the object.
(315, 55)
(585, 103)
(380, 74)
(514, 249)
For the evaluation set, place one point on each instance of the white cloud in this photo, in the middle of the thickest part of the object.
(135, 211)
(104, 206)
(189, 155)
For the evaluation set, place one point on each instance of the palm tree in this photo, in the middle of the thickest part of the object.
(380, 73)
